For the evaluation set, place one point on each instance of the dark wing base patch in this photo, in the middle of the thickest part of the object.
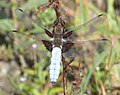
(67, 46)
(48, 45)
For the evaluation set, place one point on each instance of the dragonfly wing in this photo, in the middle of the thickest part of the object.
(28, 44)
(91, 25)
(27, 35)
(86, 51)
(29, 19)
(86, 47)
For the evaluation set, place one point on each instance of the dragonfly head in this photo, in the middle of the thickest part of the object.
(59, 25)
(59, 21)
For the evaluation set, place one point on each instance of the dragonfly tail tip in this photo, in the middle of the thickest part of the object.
(53, 83)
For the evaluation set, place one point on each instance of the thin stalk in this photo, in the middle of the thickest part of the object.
(64, 78)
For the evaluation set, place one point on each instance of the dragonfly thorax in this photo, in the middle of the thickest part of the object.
(58, 29)
(57, 40)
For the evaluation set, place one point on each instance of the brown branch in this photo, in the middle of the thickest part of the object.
(55, 4)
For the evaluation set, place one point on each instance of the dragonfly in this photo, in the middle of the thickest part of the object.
(60, 45)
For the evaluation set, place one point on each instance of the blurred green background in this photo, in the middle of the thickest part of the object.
(23, 75)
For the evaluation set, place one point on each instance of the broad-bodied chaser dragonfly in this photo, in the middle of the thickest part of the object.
(60, 44)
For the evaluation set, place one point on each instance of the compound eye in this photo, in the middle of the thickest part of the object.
(63, 23)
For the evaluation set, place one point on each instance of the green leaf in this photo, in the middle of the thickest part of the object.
(55, 90)
(97, 61)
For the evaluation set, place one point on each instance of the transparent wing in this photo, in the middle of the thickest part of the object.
(27, 36)
(29, 19)
(88, 46)
(91, 25)
(89, 49)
